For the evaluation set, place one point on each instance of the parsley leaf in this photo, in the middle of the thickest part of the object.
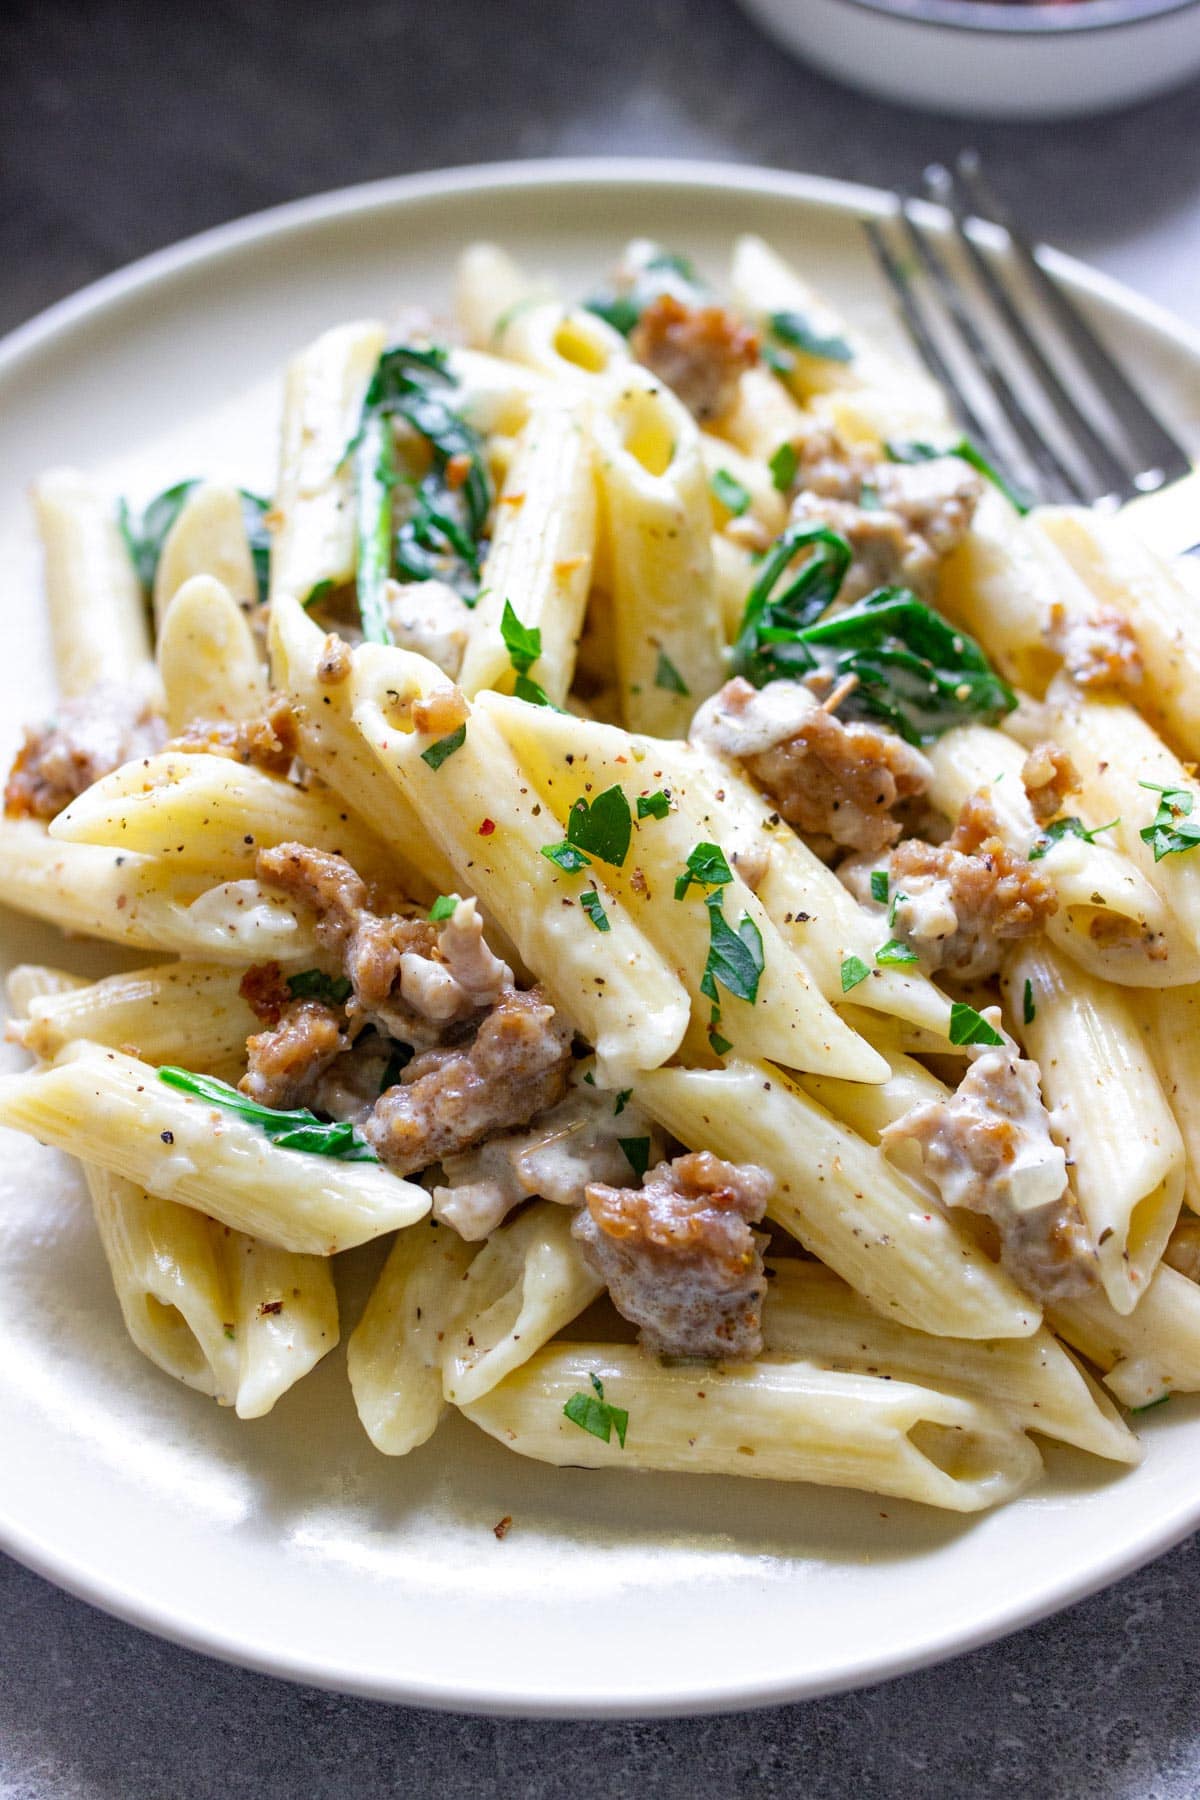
(567, 857)
(637, 1154)
(783, 466)
(443, 908)
(602, 826)
(720, 1044)
(735, 958)
(879, 886)
(794, 329)
(622, 1101)
(707, 867)
(437, 753)
(591, 905)
(594, 1414)
(662, 272)
(654, 806)
(734, 497)
(895, 954)
(298, 1129)
(315, 984)
(854, 970)
(1172, 832)
(523, 642)
(1151, 1404)
(1058, 829)
(525, 688)
(1028, 1009)
(969, 1027)
(667, 676)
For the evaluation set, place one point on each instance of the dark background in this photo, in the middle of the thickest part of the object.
(125, 126)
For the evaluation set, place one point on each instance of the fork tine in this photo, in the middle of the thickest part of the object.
(925, 345)
(1112, 476)
(1058, 478)
(1165, 458)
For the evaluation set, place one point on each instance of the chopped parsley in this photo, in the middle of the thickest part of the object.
(437, 753)
(1172, 832)
(591, 905)
(783, 466)
(707, 867)
(603, 826)
(315, 984)
(969, 1027)
(298, 1129)
(730, 492)
(1151, 1404)
(895, 954)
(735, 958)
(622, 1101)
(661, 273)
(667, 676)
(1028, 1009)
(566, 857)
(654, 806)
(879, 886)
(1058, 829)
(443, 908)
(637, 1154)
(720, 1044)
(594, 1414)
(854, 970)
(794, 329)
(525, 688)
(523, 642)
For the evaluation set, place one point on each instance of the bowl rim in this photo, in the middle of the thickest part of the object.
(1009, 18)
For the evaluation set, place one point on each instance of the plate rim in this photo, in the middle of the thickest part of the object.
(20, 346)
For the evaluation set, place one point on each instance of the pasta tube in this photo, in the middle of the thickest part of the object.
(493, 394)
(233, 1318)
(180, 1012)
(142, 902)
(313, 671)
(540, 560)
(527, 1282)
(97, 612)
(1123, 574)
(208, 538)
(612, 984)
(207, 660)
(210, 814)
(396, 1350)
(843, 1200)
(315, 534)
(1172, 1026)
(1110, 920)
(810, 1315)
(569, 759)
(111, 1109)
(669, 628)
(780, 1421)
(1108, 1112)
(1152, 1351)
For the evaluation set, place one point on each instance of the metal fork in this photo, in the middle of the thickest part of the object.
(1082, 436)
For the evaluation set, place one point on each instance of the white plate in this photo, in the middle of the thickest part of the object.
(290, 1545)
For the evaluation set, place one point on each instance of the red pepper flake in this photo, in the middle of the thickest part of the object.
(502, 1530)
(487, 828)
(457, 470)
(270, 1306)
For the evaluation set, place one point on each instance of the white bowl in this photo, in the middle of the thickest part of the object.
(1000, 61)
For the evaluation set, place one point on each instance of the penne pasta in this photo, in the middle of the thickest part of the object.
(842, 1200)
(172, 1013)
(1107, 1109)
(527, 1282)
(208, 538)
(396, 1350)
(658, 520)
(207, 659)
(97, 610)
(777, 1420)
(1144, 1354)
(1170, 1019)
(540, 562)
(315, 534)
(111, 1109)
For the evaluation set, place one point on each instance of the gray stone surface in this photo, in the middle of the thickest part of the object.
(126, 125)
